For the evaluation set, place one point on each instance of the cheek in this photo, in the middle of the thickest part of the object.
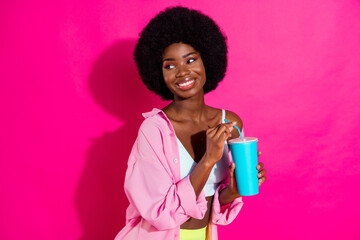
(200, 70)
(199, 66)
(167, 78)
(165, 75)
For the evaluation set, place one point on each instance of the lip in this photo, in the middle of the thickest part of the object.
(186, 83)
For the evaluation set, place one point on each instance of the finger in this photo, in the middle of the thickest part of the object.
(259, 166)
(232, 177)
(231, 173)
(220, 131)
(228, 132)
(262, 173)
(225, 135)
(229, 124)
(231, 170)
(212, 131)
(223, 128)
(262, 180)
(259, 153)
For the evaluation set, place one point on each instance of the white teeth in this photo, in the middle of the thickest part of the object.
(186, 83)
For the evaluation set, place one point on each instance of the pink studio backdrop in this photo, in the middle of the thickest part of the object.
(71, 104)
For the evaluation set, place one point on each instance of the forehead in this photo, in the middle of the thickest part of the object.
(177, 50)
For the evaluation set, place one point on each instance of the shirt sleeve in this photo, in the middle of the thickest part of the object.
(223, 215)
(151, 188)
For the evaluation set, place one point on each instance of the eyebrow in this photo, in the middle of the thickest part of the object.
(173, 59)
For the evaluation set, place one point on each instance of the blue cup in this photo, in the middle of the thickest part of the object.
(245, 157)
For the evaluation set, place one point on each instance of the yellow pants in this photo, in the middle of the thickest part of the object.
(193, 234)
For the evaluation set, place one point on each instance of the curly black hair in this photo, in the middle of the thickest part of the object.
(174, 25)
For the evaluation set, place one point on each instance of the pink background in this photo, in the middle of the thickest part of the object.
(71, 104)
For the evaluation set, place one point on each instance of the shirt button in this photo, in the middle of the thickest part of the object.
(175, 160)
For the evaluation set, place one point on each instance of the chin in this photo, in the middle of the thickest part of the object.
(189, 94)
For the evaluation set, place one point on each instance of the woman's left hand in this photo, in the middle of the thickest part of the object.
(228, 194)
(231, 192)
(261, 176)
(232, 185)
(262, 171)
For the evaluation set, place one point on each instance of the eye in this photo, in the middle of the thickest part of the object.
(190, 60)
(169, 66)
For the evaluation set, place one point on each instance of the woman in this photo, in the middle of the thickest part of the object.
(180, 182)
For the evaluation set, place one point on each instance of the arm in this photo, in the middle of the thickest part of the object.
(226, 205)
(151, 189)
(215, 140)
(227, 202)
(230, 193)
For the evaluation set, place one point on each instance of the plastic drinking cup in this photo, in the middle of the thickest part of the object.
(245, 156)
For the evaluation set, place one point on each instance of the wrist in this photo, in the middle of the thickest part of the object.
(227, 195)
(208, 161)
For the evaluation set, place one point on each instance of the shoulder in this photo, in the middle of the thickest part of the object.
(152, 123)
(153, 134)
(229, 115)
(233, 117)
(155, 125)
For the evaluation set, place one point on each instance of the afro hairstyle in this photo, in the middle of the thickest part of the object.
(175, 25)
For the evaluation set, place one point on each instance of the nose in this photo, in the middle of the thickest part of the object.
(183, 70)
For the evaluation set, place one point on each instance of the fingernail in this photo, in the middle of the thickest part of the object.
(259, 175)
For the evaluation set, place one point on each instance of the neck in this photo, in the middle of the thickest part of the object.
(190, 108)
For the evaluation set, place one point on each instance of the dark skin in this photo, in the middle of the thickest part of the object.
(197, 125)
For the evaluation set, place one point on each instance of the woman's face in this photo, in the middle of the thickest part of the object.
(183, 70)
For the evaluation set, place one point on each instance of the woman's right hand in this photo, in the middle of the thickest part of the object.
(215, 140)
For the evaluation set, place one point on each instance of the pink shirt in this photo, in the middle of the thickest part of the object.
(159, 200)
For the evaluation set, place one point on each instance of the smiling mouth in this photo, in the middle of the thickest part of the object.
(186, 84)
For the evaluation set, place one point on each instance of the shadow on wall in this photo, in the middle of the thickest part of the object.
(115, 85)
